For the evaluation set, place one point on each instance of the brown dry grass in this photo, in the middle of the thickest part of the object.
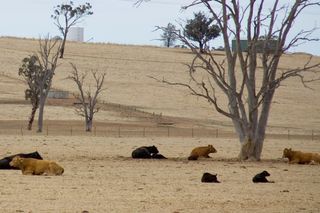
(101, 177)
(127, 83)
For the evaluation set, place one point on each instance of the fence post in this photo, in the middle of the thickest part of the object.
(119, 131)
(71, 131)
(217, 133)
(47, 130)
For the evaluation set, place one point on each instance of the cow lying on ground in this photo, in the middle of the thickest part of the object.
(4, 162)
(202, 151)
(31, 166)
(261, 178)
(209, 178)
(300, 157)
(147, 152)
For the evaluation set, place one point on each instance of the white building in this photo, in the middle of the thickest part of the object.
(75, 34)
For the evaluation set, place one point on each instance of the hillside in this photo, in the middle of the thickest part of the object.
(100, 174)
(129, 86)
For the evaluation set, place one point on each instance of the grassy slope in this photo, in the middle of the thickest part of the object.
(128, 69)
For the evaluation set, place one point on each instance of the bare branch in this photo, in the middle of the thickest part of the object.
(88, 99)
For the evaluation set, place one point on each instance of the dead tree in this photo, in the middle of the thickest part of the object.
(47, 58)
(249, 98)
(88, 100)
(38, 71)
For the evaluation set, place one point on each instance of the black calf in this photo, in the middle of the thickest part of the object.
(261, 178)
(145, 152)
(209, 178)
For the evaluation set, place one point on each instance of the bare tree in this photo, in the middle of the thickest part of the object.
(38, 70)
(249, 98)
(47, 60)
(66, 16)
(88, 99)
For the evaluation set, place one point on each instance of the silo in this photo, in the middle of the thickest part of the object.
(75, 34)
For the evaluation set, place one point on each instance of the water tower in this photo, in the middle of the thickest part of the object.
(75, 34)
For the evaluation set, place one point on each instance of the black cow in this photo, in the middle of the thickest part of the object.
(209, 178)
(145, 152)
(4, 162)
(261, 178)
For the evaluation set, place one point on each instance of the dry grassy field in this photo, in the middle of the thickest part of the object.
(99, 174)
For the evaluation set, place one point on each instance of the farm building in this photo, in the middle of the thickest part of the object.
(269, 47)
(58, 94)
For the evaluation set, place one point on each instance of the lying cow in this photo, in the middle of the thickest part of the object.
(5, 162)
(144, 152)
(261, 178)
(147, 152)
(31, 166)
(209, 178)
(300, 157)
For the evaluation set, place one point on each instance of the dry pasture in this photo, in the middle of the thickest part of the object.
(99, 174)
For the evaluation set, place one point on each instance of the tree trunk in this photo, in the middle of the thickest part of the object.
(88, 125)
(201, 47)
(31, 119)
(41, 108)
(63, 45)
(251, 147)
(246, 149)
(262, 125)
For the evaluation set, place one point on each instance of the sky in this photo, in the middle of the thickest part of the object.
(119, 21)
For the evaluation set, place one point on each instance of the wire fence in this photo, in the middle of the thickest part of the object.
(158, 131)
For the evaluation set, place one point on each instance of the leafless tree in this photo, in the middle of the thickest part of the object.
(47, 59)
(88, 100)
(249, 98)
(38, 70)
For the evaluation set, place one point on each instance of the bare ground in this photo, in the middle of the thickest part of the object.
(100, 176)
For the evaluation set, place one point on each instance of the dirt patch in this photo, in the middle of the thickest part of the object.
(100, 176)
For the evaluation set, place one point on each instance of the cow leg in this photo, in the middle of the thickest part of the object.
(27, 172)
(294, 161)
